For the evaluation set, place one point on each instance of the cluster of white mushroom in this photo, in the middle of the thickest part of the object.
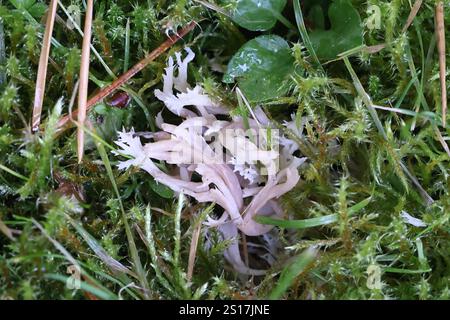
(243, 166)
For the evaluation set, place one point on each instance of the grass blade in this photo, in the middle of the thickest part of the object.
(298, 224)
(310, 223)
(405, 271)
(102, 294)
(373, 113)
(150, 242)
(112, 263)
(12, 172)
(131, 244)
(2, 55)
(126, 60)
(67, 255)
(97, 55)
(302, 29)
(291, 272)
(366, 98)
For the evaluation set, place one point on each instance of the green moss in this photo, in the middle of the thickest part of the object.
(374, 254)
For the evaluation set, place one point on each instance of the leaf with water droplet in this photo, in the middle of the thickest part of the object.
(258, 15)
(261, 68)
(346, 32)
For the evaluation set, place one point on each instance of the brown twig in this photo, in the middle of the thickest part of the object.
(440, 34)
(42, 68)
(84, 78)
(128, 75)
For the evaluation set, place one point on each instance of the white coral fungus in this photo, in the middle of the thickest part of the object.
(242, 168)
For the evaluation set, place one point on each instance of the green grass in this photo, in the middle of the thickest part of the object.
(372, 134)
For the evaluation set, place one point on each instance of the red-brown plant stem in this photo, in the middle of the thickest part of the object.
(104, 92)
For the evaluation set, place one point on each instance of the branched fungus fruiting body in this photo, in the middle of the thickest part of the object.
(243, 169)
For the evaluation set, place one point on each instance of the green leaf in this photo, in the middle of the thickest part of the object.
(313, 222)
(100, 252)
(406, 271)
(138, 268)
(36, 9)
(291, 272)
(107, 121)
(298, 224)
(345, 33)
(304, 33)
(161, 189)
(316, 15)
(258, 15)
(22, 4)
(260, 67)
(84, 286)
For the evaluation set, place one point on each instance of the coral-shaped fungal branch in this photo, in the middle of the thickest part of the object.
(245, 166)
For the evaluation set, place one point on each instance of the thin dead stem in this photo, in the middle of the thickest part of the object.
(42, 68)
(412, 15)
(84, 78)
(440, 34)
(193, 251)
